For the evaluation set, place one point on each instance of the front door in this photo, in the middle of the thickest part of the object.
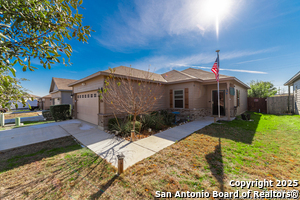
(215, 102)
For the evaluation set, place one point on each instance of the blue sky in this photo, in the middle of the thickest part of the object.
(258, 40)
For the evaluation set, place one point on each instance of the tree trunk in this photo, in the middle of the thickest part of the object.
(133, 128)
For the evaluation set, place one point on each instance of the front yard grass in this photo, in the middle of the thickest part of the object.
(266, 148)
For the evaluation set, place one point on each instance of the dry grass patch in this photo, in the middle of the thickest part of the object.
(14, 115)
(59, 169)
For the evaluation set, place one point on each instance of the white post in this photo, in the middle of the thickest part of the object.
(2, 121)
(218, 84)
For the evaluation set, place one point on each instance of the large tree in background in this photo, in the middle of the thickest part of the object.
(261, 89)
(37, 29)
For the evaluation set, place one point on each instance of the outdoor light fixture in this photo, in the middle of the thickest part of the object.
(72, 96)
(83, 84)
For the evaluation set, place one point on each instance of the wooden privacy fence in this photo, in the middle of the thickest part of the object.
(271, 105)
(257, 104)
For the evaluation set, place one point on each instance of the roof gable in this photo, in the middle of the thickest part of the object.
(175, 75)
(59, 84)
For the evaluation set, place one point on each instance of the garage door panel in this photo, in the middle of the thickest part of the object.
(88, 107)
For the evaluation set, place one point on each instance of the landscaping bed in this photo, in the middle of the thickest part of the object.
(145, 126)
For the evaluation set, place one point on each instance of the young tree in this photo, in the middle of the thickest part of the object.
(11, 91)
(261, 89)
(37, 29)
(131, 95)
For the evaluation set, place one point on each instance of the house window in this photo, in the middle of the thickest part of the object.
(94, 95)
(85, 96)
(88, 96)
(237, 97)
(178, 99)
(91, 95)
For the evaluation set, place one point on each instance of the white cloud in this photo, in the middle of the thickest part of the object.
(152, 20)
(235, 70)
(170, 62)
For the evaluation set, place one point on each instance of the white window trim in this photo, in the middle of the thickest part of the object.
(182, 99)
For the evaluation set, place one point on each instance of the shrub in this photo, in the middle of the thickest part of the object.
(147, 122)
(155, 121)
(47, 114)
(169, 118)
(113, 121)
(137, 126)
(61, 112)
(130, 118)
(122, 127)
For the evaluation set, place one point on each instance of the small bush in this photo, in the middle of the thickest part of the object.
(113, 121)
(61, 112)
(47, 114)
(137, 126)
(130, 118)
(122, 127)
(154, 121)
(169, 118)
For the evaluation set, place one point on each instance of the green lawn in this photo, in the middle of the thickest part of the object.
(266, 148)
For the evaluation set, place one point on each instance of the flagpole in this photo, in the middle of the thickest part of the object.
(218, 84)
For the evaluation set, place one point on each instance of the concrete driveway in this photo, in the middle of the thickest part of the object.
(105, 145)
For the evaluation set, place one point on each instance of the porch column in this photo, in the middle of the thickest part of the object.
(228, 102)
(289, 97)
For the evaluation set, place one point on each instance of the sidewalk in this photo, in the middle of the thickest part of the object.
(105, 145)
(108, 146)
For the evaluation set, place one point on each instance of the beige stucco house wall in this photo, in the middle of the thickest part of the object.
(197, 95)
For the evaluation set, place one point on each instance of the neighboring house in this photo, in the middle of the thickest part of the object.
(45, 102)
(192, 92)
(295, 82)
(60, 91)
(32, 101)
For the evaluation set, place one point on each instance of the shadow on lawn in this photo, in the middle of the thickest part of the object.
(25, 155)
(237, 130)
(216, 166)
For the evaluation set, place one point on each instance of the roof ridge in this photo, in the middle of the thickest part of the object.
(185, 74)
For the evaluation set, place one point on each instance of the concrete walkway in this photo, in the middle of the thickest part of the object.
(105, 145)
(108, 146)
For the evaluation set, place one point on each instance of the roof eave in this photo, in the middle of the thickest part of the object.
(293, 79)
(228, 79)
(183, 81)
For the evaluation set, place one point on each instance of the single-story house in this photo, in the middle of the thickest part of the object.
(295, 82)
(192, 92)
(45, 102)
(60, 91)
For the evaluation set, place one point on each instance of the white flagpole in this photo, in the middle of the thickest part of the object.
(218, 85)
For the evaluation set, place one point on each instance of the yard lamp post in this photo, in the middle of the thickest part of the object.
(120, 163)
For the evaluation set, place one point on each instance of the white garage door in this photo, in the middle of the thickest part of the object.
(88, 107)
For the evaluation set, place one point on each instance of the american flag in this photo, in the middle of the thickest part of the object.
(215, 69)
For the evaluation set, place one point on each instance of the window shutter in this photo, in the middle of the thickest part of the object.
(186, 97)
(171, 98)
